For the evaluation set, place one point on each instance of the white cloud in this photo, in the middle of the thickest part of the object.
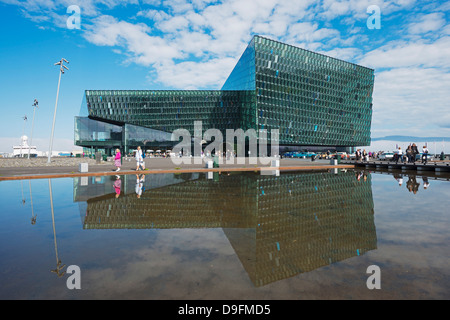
(196, 43)
(428, 23)
(174, 24)
(154, 15)
(195, 75)
(411, 101)
(347, 54)
(398, 54)
(135, 38)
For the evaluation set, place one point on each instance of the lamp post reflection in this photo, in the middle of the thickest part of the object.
(59, 266)
(23, 197)
(33, 217)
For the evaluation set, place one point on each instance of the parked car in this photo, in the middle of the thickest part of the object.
(304, 154)
(288, 154)
(386, 156)
(419, 157)
(342, 155)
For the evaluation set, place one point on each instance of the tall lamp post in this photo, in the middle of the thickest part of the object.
(35, 105)
(61, 71)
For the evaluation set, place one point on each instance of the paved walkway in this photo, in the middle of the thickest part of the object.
(24, 169)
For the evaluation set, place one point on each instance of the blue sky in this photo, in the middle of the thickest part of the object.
(178, 44)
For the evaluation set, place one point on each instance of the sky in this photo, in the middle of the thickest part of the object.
(178, 44)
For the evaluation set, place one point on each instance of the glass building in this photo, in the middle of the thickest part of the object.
(314, 101)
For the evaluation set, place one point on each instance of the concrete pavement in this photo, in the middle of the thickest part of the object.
(69, 167)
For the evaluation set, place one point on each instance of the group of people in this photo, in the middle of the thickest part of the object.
(411, 154)
(364, 155)
(139, 156)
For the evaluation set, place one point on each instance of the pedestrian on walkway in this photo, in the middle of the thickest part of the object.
(409, 154)
(415, 152)
(139, 159)
(424, 154)
(399, 155)
(118, 160)
(364, 155)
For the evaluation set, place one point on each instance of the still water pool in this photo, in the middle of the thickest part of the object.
(296, 235)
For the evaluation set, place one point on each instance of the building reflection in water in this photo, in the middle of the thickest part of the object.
(279, 226)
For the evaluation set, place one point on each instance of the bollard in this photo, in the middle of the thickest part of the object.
(209, 164)
(275, 163)
(98, 157)
(83, 167)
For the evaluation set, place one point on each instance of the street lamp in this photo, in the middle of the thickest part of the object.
(35, 105)
(61, 71)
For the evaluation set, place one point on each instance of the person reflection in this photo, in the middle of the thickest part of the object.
(139, 185)
(359, 174)
(412, 185)
(426, 184)
(399, 178)
(117, 186)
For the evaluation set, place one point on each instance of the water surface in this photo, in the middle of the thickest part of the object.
(294, 235)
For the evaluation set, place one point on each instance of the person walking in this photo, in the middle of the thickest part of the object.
(424, 154)
(409, 154)
(415, 152)
(399, 155)
(118, 160)
(139, 159)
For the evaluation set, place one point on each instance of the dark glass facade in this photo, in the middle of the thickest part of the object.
(310, 98)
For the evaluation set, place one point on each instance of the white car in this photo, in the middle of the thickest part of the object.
(386, 156)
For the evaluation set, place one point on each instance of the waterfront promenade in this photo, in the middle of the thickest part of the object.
(38, 168)
(434, 165)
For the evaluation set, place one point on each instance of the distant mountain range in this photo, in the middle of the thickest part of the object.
(412, 139)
